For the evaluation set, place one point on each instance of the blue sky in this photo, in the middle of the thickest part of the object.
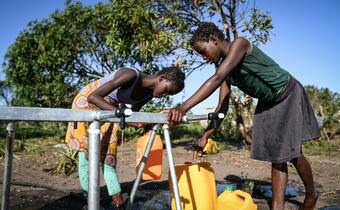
(305, 39)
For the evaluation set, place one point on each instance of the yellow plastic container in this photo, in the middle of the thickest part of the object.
(235, 200)
(210, 147)
(153, 167)
(197, 187)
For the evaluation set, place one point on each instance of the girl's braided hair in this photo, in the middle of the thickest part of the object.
(204, 33)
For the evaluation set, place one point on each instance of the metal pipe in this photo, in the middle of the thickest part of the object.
(172, 166)
(188, 118)
(10, 113)
(6, 187)
(94, 167)
(72, 115)
(142, 164)
(112, 114)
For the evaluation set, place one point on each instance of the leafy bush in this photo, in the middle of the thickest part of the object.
(320, 147)
(228, 133)
(192, 131)
(67, 162)
(26, 130)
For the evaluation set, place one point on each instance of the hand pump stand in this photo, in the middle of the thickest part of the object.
(214, 117)
(12, 114)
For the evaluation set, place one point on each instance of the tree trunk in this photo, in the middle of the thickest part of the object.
(244, 111)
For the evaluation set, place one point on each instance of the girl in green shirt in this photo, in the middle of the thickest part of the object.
(283, 119)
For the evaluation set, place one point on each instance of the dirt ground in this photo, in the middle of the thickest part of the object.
(60, 192)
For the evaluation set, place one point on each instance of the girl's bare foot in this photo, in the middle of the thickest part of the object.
(310, 201)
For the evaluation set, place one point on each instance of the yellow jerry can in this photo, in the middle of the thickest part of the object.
(153, 167)
(211, 147)
(197, 186)
(235, 200)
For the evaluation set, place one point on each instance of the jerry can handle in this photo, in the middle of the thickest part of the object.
(243, 194)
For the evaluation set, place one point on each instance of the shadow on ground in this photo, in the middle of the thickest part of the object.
(75, 201)
(153, 195)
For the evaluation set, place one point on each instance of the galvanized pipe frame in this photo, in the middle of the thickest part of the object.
(11, 114)
(93, 198)
(6, 185)
(172, 167)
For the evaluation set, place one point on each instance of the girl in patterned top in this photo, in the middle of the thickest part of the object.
(125, 85)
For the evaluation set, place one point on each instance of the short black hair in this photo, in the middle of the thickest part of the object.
(174, 74)
(204, 33)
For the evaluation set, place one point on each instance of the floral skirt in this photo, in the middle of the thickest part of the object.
(77, 132)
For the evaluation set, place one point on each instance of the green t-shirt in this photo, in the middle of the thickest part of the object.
(259, 76)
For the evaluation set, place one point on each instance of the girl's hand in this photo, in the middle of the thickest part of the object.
(198, 153)
(202, 141)
(175, 115)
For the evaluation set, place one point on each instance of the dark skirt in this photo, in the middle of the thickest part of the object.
(282, 126)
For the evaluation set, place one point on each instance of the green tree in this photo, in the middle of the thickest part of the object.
(52, 58)
(5, 93)
(152, 34)
(327, 105)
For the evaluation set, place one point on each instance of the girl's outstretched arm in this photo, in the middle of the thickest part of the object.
(123, 78)
(238, 49)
